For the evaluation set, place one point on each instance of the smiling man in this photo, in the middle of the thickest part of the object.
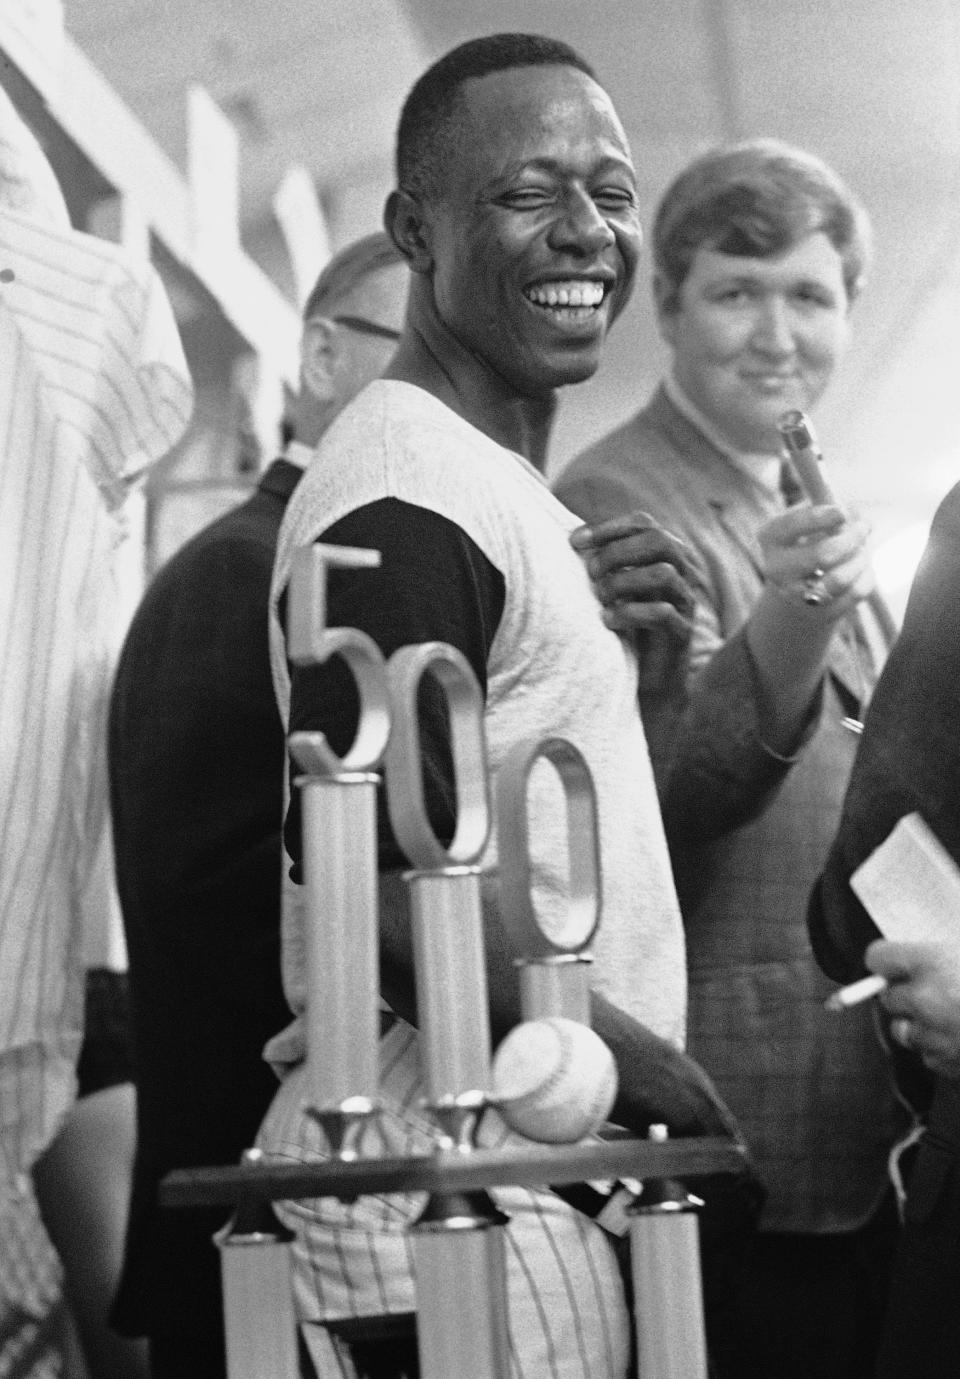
(516, 210)
(759, 253)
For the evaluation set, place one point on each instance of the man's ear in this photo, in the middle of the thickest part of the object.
(404, 222)
(317, 356)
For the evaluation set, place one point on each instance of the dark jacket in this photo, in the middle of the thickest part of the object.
(909, 760)
(196, 755)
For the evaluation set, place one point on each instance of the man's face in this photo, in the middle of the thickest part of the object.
(752, 337)
(535, 242)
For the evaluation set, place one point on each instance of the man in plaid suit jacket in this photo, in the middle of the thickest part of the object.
(759, 253)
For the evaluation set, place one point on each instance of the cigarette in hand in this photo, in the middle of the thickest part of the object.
(846, 996)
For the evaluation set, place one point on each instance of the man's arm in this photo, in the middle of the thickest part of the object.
(408, 601)
(788, 637)
(911, 735)
(657, 1082)
(701, 718)
(723, 742)
(433, 585)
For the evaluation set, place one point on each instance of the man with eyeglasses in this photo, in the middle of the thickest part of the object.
(196, 761)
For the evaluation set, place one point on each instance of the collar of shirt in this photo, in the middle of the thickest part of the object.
(763, 469)
(299, 454)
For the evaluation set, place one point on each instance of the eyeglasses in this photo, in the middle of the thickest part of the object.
(364, 327)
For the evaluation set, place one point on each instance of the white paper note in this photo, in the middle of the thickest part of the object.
(910, 885)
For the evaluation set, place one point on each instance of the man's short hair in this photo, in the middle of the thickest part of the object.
(757, 199)
(429, 116)
(347, 269)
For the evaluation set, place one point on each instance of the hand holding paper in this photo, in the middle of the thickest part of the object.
(911, 888)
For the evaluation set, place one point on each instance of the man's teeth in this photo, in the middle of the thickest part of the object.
(567, 294)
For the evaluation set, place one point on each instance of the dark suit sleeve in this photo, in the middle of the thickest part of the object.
(713, 772)
(909, 755)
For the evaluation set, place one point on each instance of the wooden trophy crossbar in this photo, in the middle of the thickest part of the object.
(457, 1241)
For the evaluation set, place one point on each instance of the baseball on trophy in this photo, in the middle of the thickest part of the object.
(554, 1080)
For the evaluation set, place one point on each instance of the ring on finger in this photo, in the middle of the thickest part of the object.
(815, 590)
